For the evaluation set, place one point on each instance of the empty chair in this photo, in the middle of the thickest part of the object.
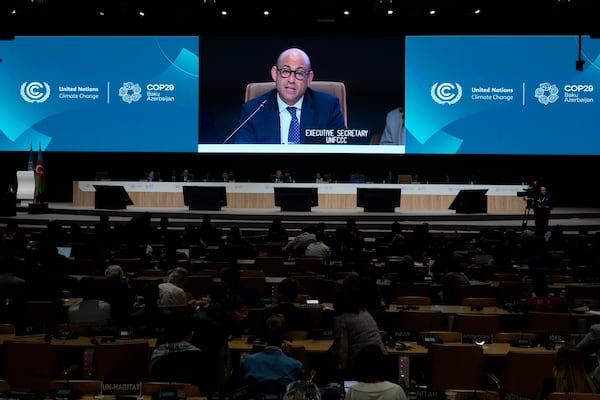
(441, 368)
(122, 362)
(513, 292)
(554, 326)
(183, 367)
(409, 323)
(474, 290)
(523, 373)
(480, 302)
(198, 285)
(413, 300)
(29, 366)
(4, 386)
(309, 265)
(474, 325)
(272, 265)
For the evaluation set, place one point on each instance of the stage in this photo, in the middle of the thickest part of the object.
(255, 221)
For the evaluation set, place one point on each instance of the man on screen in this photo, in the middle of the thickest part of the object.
(282, 115)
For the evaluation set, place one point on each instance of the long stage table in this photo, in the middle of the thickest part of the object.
(340, 196)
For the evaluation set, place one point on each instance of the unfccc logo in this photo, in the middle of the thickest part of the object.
(130, 92)
(35, 92)
(446, 92)
(546, 93)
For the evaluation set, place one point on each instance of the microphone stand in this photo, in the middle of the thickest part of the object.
(261, 105)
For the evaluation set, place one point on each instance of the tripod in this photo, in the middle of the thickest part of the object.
(527, 212)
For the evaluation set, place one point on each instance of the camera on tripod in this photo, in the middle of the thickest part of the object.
(529, 195)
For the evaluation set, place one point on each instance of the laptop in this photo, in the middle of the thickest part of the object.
(64, 251)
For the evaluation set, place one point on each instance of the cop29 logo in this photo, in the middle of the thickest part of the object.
(35, 92)
(130, 92)
(546, 93)
(446, 92)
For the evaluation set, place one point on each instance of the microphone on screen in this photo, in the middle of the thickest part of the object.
(240, 126)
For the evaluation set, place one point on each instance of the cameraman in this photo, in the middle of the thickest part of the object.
(541, 210)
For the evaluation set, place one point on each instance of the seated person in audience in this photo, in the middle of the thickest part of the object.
(590, 345)
(91, 311)
(172, 292)
(236, 246)
(230, 277)
(569, 374)
(118, 293)
(374, 379)
(451, 282)
(302, 390)
(12, 287)
(214, 325)
(271, 367)
(209, 233)
(277, 233)
(297, 246)
(296, 318)
(177, 338)
(149, 319)
(318, 248)
(277, 177)
(354, 328)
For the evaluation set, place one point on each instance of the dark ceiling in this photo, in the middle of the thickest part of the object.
(297, 17)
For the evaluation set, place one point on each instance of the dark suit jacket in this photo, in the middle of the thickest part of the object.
(319, 111)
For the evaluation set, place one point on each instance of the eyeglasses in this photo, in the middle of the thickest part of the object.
(299, 74)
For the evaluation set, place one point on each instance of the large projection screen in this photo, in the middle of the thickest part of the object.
(514, 95)
(99, 93)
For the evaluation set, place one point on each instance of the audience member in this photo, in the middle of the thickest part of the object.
(271, 367)
(569, 374)
(230, 277)
(210, 234)
(374, 379)
(12, 289)
(318, 248)
(178, 337)
(297, 246)
(90, 311)
(149, 320)
(172, 292)
(116, 291)
(354, 328)
(296, 318)
(277, 232)
(302, 390)
(214, 325)
(236, 246)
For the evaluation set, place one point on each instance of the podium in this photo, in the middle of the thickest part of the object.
(111, 197)
(378, 199)
(470, 201)
(204, 197)
(296, 198)
(8, 204)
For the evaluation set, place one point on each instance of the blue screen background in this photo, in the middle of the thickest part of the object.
(107, 124)
(521, 126)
